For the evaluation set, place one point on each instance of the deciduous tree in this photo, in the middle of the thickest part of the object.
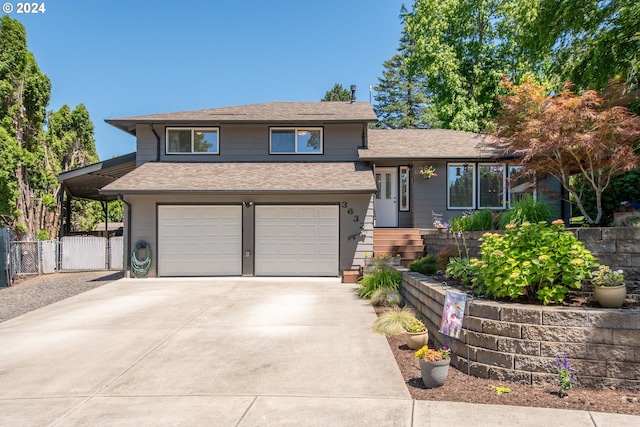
(32, 156)
(568, 134)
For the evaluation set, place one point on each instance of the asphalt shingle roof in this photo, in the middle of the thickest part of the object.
(428, 144)
(271, 112)
(166, 177)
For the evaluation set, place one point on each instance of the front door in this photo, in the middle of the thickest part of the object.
(386, 203)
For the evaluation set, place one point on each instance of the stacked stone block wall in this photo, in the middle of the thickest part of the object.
(520, 343)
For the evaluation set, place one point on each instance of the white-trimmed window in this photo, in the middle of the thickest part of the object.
(295, 141)
(193, 141)
(405, 178)
(461, 186)
(491, 184)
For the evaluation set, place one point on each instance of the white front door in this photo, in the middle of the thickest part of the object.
(386, 202)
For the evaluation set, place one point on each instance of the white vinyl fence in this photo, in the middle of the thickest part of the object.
(71, 253)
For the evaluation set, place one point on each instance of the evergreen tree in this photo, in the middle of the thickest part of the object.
(402, 97)
(337, 93)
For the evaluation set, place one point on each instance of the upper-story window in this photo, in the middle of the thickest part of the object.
(193, 141)
(295, 141)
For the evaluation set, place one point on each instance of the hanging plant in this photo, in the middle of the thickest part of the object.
(427, 172)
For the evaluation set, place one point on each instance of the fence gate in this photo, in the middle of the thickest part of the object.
(83, 253)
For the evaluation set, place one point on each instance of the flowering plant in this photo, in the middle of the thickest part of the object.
(427, 172)
(415, 325)
(566, 377)
(604, 276)
(430, 355)
(437, 223)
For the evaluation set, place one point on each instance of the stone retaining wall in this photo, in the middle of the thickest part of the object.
(617, 247)
(519, 343)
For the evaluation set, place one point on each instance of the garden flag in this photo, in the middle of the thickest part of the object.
(452, 314)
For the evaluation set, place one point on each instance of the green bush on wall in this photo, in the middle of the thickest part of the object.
(426, 265)
(537, 261)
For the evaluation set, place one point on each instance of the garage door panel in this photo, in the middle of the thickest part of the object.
(297, 240)
(202, 240)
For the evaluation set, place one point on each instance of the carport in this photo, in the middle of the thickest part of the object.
(86, 183)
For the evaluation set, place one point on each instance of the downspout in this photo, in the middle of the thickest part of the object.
(157, 142)
(127, 258)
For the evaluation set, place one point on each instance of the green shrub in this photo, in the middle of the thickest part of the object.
(445, 255)
(382, 277)
(525, 209)
(426, 265)
(476, 221)
(532, 260)
(42, 235)
(462, 269)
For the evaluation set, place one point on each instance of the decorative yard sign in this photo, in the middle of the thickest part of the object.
(452, 314)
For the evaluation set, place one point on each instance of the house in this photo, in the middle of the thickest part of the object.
(288, 188)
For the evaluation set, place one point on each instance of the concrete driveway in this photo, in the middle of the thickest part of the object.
(227, 352)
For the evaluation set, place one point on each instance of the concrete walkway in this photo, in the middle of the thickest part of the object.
(222, 352)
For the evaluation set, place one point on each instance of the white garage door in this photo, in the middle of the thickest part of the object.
(297, 241)
(199, 240)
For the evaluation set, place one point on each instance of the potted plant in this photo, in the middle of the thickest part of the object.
(434, 365)
(608, 287)
(403, 320)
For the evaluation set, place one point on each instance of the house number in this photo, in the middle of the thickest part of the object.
(350, 211)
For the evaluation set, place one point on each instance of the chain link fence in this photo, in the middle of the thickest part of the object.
(71, 253)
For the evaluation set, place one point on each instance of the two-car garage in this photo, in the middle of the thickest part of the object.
(207, 240)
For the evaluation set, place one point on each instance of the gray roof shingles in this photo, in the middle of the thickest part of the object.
(240, 177)
(270, 112)
(428, 144)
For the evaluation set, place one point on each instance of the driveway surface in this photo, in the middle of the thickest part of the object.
(223, 352)
(201, 352)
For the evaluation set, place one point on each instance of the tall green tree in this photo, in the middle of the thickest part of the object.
(402, 97)
(337, 93)
(32, 156)
(590, 41)
(464, 48)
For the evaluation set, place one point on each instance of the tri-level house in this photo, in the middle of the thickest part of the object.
(287, 188)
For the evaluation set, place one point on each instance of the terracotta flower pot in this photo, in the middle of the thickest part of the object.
(434, 374)
(610, 296)
(416, 340)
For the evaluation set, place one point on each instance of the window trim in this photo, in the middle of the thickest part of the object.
(504, 185)
(407, 171)
(473, 186)
(295, 130)
(192, 129)
(534, 182)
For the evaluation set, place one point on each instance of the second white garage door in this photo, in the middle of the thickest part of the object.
(199, 240)
(297, 240)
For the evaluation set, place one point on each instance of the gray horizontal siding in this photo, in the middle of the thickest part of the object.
(250, 143)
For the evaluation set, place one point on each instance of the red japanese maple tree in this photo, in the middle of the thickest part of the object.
(568, 134)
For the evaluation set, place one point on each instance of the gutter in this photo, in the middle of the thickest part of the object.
(127, 261)
(157, 142)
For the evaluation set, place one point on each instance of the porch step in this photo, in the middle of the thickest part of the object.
(393, 241)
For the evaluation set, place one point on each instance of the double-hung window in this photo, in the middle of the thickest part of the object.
(295, 141)
(193, 141)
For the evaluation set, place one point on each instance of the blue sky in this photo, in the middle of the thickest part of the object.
(132, 57)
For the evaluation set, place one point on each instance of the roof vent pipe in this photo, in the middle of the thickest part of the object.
(353, 93)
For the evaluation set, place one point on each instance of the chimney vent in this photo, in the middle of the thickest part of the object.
(353, 93)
